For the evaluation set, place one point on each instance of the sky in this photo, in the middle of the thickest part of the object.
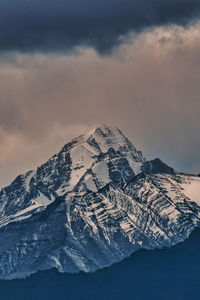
(67, 66)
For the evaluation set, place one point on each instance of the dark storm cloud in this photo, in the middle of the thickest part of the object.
(49, 25)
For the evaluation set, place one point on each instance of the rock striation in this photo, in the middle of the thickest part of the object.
(91, 205)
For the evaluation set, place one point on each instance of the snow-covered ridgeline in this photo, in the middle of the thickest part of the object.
(92, 204)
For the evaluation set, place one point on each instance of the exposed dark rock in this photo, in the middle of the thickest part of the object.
(157, 166)
(90, 205)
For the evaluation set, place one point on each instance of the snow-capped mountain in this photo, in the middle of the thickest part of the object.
(93, 204)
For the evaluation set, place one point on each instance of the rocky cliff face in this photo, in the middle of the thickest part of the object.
(93, 204)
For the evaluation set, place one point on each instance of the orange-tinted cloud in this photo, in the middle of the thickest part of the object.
(149, 88)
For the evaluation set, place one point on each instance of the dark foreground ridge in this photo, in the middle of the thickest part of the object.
(170, 273)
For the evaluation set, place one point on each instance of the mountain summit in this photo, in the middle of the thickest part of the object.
(93, 204)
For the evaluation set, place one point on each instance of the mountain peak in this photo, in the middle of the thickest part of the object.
(86, 208)
(105, 130)
(107, 137)
(157, 166)
(92, 153)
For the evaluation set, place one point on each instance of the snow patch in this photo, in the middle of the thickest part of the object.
(90, 183)
(192, 190)
(28, 178)
(135, 166)
(101, 172)
(82, 160)
(42, 200)
(27, 210)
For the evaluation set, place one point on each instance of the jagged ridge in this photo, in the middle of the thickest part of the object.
(92, 204)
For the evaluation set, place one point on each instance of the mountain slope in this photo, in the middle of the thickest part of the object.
(93, 204)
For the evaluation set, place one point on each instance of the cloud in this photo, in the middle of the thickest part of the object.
(57, 26)
(149, 88)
